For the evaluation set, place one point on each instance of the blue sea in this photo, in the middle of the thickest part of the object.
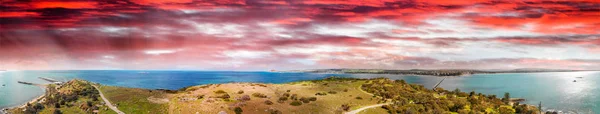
(556, 90)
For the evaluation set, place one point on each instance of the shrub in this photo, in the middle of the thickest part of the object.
(288, 90)
(312, 98)
(304, 99)
(345, 90)
(274, 111)
(296, 103)
(359, 98)
(282, 99)
(224, 96)
(238, 110)
(268, 102)
(200, 96)
(220, 92)
(240, 92)
(321, 94)
(244, 98)
(332, 92)
(345, 107)
(38, 106)
(259, 95)
(286, 95)
(57, 111)
(294, 97)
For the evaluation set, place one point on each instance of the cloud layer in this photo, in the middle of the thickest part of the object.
(308, 34)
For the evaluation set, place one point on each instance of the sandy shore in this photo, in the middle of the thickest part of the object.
(3, 111)
(33, 100)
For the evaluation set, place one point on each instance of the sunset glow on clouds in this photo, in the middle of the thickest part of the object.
(299, 34)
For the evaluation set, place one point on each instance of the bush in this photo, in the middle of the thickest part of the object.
(321, 94)
(240, 92)
(296, 103)
(282, 99)
(304, 99)
(38, 106)
(57, 111)
(274, 111)
(286, 95)
(345, 90)
(268, 102)
(359, 98)
(244, 98)
(259, 95)
(312, 98)
(288, 90)
(224, 96)
(345, 107)
(220, 92)
(238, 110)
(332, 92)
(294, 97)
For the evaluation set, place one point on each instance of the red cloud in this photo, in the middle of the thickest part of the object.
(81, 31)
(57, 4)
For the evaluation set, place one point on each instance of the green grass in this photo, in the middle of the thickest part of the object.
(374, 111)
(132, 100)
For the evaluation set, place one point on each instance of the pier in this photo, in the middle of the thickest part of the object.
(50, 80)
(438, 84)
(41, 85)
(34, 84)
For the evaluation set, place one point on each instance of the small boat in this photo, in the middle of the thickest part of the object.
(3, 85)
(574, 80)
(578, 77)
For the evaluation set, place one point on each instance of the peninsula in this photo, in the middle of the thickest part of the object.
(332, 95)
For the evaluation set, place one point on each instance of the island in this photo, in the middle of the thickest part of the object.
(333, 95)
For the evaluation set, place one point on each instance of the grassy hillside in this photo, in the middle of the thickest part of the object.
(327, 96)
(412, 98)
(73, 97)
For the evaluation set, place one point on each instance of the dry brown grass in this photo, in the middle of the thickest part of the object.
(182, 104)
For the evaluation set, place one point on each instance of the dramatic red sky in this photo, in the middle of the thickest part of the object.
(299, 34)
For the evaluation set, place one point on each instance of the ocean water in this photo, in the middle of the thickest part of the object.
(556, 90)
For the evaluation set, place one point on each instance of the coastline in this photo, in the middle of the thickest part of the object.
(36, 99)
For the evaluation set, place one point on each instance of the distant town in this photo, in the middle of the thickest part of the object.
(438, 72)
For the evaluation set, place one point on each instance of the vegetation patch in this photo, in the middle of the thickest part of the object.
(259, 95)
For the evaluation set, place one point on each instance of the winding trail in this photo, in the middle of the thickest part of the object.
(114, 108)
(366, 107)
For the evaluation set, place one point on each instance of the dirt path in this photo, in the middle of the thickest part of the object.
(114, 108)
(366, 107)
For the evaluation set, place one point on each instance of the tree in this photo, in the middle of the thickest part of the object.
(38, 106)
(56, 111)
(456, 91)
(238, 110)
(506, 98)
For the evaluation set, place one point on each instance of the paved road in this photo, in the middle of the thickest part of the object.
(114, 108)
(366, 107)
